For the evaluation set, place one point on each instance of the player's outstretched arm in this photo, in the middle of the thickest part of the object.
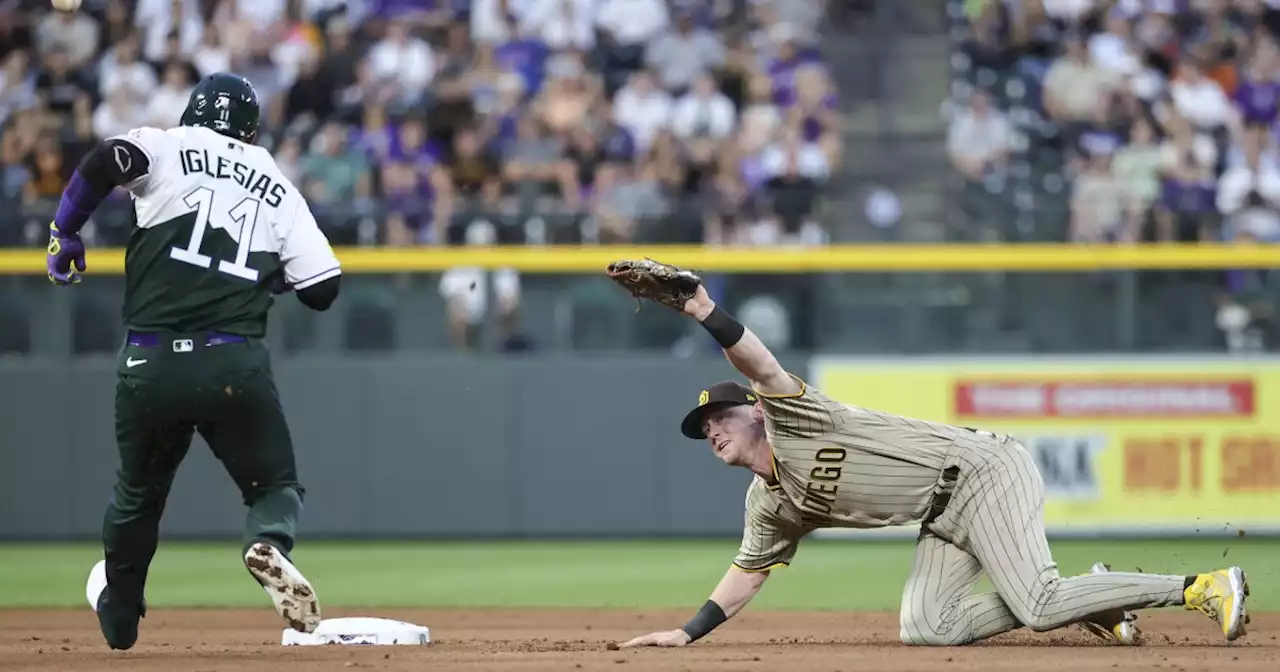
(734, 592)
(113, 162)
(741, 346)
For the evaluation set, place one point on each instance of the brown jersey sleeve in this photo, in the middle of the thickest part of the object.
(804, 414)
(769, 538)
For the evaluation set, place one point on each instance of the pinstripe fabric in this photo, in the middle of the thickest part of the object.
(937, 608)
(843, 466)
(997, 515)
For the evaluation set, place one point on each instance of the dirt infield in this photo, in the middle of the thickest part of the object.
(569, 640)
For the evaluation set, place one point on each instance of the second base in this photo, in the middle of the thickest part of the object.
(361, 631)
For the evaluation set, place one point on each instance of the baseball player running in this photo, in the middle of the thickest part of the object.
(219, 229)
(978, 496)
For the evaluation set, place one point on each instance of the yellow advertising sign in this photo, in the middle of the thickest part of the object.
(1176, 445)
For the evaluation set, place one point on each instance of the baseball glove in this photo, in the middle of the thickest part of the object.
(656, 281)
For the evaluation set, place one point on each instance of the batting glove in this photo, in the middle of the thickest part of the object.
(65, 251)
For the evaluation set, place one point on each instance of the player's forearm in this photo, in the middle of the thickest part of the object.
(745, 350)
(733, 593)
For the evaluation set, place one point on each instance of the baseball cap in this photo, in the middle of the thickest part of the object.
(721, 395)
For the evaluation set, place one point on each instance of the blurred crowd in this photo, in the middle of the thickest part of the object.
(1148, 120)
(420, 122)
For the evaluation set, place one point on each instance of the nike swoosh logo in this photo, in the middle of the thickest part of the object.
(131, 362)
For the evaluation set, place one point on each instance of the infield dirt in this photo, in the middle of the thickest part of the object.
(537, 640)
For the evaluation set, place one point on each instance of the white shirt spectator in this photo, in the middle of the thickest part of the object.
(1233, 196)
(488, 25)
(406, 60)
(978, 134)
(633, 21)
(155, 18)
(261, 14)
(1201, 101)
(133, 77)
(76, 32)
(211, 56)
(166, 105)
(116, 115)
(1067, 10)
(695, 114)
(810, 160)
(560, 24)
(642, 109)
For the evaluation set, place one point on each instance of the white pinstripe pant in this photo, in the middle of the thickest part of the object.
(995, 523)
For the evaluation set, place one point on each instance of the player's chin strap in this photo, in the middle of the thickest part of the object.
(708, 618)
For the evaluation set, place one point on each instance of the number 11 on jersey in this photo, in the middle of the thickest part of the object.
(245, 213)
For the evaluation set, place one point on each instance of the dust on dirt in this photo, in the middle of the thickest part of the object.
(538, 640)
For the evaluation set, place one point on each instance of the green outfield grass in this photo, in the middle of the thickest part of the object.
(827, 574)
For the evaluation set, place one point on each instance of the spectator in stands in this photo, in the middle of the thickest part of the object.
(171, 25)
(1198, 99)
(643, 109)
(58, 86)
(979, 139)
(17, 85)
(1136, 169)
(1074, 85)
(403, 63)
(1249, 196)
(561, 25)
(1098, 203)
(533, 164)
(1186, 207)
(468, 176)
(678, 56)
(169, 99)
(332, 173)
(567, 96)
(74, 32)
(816, 109)
(703, 112)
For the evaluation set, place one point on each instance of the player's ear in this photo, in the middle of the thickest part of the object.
(757, 412)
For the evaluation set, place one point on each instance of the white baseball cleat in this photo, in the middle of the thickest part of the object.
(1118, 626)
(292, 594)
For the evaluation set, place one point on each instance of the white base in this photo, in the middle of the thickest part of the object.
(360, 631)
(96, 584)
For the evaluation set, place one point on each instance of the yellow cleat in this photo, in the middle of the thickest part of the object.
(1221, 596)
(1118, 625)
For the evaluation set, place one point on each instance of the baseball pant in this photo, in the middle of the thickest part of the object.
(993, 521)
(164, 395)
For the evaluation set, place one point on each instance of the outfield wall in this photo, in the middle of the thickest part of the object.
(397, 446)
(589, 446)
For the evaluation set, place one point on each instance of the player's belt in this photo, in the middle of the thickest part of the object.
(151, 339)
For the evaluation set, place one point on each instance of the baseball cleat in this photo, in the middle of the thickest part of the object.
(1117, 625)
(293, 596)
(1221, 596)
(118, 617)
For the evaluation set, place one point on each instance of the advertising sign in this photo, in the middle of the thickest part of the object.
(1152, 446)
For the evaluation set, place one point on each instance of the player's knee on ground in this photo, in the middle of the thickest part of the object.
(914, 630)
(1037, 608)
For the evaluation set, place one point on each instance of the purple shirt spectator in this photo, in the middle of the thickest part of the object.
(1258, 100)
(526, 58)
(392, 9)
(782, 72)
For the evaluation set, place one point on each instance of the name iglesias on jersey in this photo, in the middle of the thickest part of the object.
(222, 168)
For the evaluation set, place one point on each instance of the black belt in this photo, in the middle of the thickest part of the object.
(151, 339)
(940, 501)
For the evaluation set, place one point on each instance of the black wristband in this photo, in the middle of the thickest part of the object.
(708, 618)
(726, 330)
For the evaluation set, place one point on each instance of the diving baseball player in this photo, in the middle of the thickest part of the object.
(219, 229)
(978, 496)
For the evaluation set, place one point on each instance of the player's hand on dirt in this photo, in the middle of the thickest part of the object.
(666, 638)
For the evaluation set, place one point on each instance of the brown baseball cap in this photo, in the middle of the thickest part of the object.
(721, 395)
